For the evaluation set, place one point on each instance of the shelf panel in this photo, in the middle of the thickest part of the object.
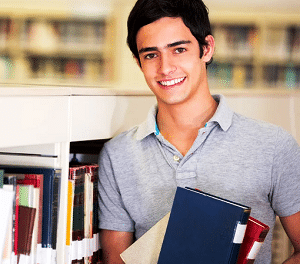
(102, 117)
(33, 120)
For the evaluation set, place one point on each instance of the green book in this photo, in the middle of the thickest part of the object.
(1, 178)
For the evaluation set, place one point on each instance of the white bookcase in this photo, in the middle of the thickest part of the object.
(45, 120)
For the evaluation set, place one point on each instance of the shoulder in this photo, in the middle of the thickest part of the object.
(122, 141)
(262, 132)
(254, 128)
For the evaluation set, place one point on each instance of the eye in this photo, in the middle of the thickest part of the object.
(180, 50)
(150, 56)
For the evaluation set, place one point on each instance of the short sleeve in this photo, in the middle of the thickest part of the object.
(285, 196)
(112, 213)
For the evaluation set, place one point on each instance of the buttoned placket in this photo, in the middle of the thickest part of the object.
(184, 167)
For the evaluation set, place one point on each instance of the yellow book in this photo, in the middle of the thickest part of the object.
(70, 212)
(239, 76)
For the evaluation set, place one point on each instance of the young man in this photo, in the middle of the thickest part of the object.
(190, 138)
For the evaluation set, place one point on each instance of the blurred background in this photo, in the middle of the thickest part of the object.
(83, 43)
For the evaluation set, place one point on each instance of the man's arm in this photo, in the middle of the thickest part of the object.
(113, 243)
(291, 225)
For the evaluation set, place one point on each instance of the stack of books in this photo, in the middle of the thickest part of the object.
(82, 239)
(202, 227)
(31, 214)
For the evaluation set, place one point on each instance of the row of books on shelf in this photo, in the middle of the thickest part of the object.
(281, 44)
(52, 68)
(228, 75)
(283, 76)
(66, 68)
(53, 35)
(202, 227)
(30, 227)
(5, 25)
(67, 35)
(278, 43)
(82, 237)
(235, 41)
(30, 215)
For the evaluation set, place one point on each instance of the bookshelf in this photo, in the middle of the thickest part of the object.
(255, 50)
(42, 125)
(51, 48)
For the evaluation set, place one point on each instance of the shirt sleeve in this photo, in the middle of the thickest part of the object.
(285, 197)
(112, 212)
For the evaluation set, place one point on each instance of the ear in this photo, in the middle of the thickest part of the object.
(208, 50)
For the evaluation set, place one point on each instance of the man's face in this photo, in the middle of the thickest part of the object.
(170, 60)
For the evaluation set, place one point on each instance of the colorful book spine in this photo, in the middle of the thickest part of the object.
(26, 223)
(50, 174)
(255, 235)
(78, 175)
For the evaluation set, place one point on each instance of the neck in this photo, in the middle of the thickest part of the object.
(185, 117)
(179, 124)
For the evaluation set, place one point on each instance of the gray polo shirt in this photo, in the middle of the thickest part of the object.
(247, 161)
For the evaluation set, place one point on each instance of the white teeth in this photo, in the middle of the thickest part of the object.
(172, 82)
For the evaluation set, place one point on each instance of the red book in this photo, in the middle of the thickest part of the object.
(255, 235)
(26, 222)
(37, 181)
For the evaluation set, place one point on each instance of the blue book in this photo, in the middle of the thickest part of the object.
(203, 229)
(51, 198)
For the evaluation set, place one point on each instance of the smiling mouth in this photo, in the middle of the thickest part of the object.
(172, 82)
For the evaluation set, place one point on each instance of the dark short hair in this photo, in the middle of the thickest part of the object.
(194, 14)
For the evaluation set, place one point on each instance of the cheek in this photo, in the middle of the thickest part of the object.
(149, 70)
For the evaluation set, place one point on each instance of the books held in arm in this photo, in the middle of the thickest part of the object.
(203, 227)
(255, 235)
(200, 227)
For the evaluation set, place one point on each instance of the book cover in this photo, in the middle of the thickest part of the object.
(203, 227)
(6, 207)
(26, 220)
(49, 175)
(255, 235)
(147, 248)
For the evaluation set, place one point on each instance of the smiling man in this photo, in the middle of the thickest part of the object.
(190, 138)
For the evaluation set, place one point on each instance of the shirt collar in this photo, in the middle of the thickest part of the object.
(223, 116)
(149, 126)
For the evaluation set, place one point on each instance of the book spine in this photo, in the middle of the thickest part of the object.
(238, 237)
(16, 222)
(55, 208)
(47, 211)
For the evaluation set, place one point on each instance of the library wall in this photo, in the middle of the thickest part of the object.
(257, 44)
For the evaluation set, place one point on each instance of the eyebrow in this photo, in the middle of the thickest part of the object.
(174, 44)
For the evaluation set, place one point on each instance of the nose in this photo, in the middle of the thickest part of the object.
(166, 66)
